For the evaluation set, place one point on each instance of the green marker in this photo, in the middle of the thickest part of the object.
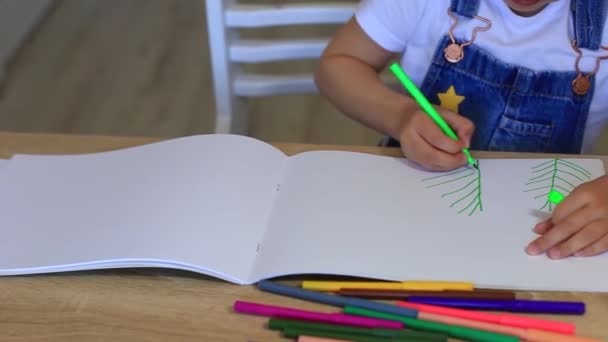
(556, 197)
(420, 336)
(428, 107)
(297, 332)
(455, 331)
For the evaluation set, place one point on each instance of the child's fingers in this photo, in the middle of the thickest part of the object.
(543, 227)
(585, 237)
(463, 127)
(429, 156)
(598, 247)
(575, 201)
(436, 137)
(560, 232)
(423, 141)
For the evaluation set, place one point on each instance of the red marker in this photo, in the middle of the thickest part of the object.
(503, 319)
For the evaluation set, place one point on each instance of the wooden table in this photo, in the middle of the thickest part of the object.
(164, 305)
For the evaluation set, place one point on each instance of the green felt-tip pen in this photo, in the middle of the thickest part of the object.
(428, 107)
(455, 331)
(420, 336)
(297, 332)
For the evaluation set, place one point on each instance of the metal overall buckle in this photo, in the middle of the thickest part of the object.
(582, 82)
(454, 53)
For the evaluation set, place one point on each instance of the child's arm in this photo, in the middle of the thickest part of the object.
(348, 75)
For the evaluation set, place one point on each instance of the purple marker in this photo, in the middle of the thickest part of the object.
(518, 305)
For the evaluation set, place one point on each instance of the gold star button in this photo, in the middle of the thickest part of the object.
(450, 100)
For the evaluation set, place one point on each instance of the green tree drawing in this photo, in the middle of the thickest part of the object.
(463, 185)
(555, 175)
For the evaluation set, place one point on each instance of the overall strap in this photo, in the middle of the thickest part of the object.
(589, 18)
(465, 8)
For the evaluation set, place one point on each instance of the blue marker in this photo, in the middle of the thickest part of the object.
(334, 300)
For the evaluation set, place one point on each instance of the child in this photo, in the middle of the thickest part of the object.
(507, 75)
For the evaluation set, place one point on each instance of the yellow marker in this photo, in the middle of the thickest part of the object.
(332, 286)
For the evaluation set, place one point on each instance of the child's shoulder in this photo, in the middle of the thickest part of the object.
(400, 10)
(393, 23)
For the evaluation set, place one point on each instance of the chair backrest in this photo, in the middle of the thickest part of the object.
(228, 50)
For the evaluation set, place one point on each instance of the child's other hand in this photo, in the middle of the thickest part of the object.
(579, 224)
(425, 143)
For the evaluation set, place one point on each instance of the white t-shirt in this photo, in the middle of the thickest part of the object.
(540, 42)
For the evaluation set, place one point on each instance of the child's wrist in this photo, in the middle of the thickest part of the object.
(406, 107)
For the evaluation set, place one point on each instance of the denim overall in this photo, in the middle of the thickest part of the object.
(514, 108)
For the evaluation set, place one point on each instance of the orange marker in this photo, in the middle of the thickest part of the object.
(529, 335)
(502, 319)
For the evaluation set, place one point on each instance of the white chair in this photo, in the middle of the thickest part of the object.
(231, 85)
(17, 21)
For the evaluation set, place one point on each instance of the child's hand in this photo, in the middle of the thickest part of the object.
(425, 143)
(579, 224)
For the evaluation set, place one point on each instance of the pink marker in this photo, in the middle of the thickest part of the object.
(321, 317)
(503, 319)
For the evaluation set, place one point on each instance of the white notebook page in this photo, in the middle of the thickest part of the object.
(371, 216)
(201, 201)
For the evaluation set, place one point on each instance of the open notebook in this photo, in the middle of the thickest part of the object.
(238, 209)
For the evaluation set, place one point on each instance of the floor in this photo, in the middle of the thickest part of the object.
(141, 67)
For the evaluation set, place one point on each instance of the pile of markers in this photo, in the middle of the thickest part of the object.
(422, 311)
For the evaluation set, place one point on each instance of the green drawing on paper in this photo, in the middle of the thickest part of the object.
(464, 187)
(555, 179)
(556, 197)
